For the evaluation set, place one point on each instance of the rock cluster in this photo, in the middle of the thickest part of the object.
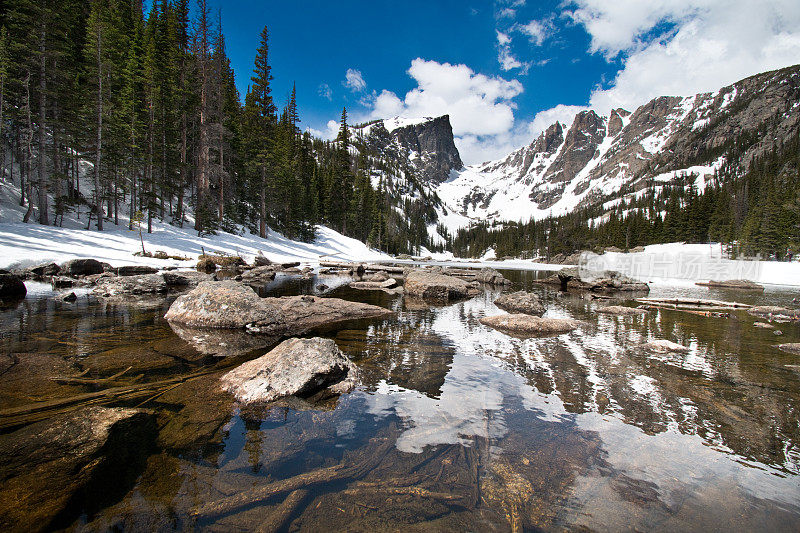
(607, 281)
(231, 305)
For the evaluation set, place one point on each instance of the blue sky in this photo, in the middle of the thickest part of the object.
(503, 70)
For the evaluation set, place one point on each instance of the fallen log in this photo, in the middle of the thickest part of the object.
(278, 518)
(25, 414)
(301, 481)
(694, 303)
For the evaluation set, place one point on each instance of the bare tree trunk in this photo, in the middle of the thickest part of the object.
(221, 206)
(262, 219)
(98, 155)
(42, 184)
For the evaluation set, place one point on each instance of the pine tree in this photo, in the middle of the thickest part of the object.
(262, 124)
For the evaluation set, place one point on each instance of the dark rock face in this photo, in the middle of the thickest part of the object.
(296, 367)
(41, 271)
(135, 270)
(438, 287)
(428, 146)
(231, 305)
(82, 267)
(11, 286)
(521, 302)
(47, 465)
(206, 266)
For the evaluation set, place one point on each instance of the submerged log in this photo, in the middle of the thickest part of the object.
(697, 304)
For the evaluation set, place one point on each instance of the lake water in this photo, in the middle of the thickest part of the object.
(455, 427)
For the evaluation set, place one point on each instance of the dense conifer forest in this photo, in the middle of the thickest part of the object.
(150, 101)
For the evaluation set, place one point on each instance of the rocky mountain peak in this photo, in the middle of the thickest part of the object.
(427, 144)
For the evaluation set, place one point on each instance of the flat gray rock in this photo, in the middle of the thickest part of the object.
(296, 367)
(522, 324)
(520, 302)
(439, 287)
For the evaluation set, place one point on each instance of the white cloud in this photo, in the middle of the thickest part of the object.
(505, 57)
(354, 81)
(560, 113)
(324, 90)
(537, 31)
(481, 107)
(506, 12)
(329, 133)
(682, 47)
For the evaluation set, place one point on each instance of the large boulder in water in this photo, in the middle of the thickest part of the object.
(11, 286)
(47, 465)
(82, 267)
(296, 367)
(491, 276)
(232, 305)
(529, 325)
(440, 287)
(145, 284)
(520, 302)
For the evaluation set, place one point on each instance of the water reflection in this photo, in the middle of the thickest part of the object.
(461, 426)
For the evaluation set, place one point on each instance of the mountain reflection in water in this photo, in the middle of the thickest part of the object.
(458, 426)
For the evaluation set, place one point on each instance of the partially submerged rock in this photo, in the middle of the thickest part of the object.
(11, 286)
(47, 465)
(260, 274)
(621, 310)
(664, 346)
(40, 272)
(763, 325)
(740, 284)
(296, 367)
(81, 267)
(606, 281)
(522, 324)
(374, 285)
(520, 302)
(135, 270)
(231, 305)
(145, 284)
(438, 287)
(791, 347)
(772, 312)
(491, 276)
(206, 266)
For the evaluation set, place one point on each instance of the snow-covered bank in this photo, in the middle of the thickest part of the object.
(674, 263)
(27, 244)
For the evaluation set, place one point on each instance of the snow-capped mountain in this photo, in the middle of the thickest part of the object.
(426, 144)
(596, 157)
